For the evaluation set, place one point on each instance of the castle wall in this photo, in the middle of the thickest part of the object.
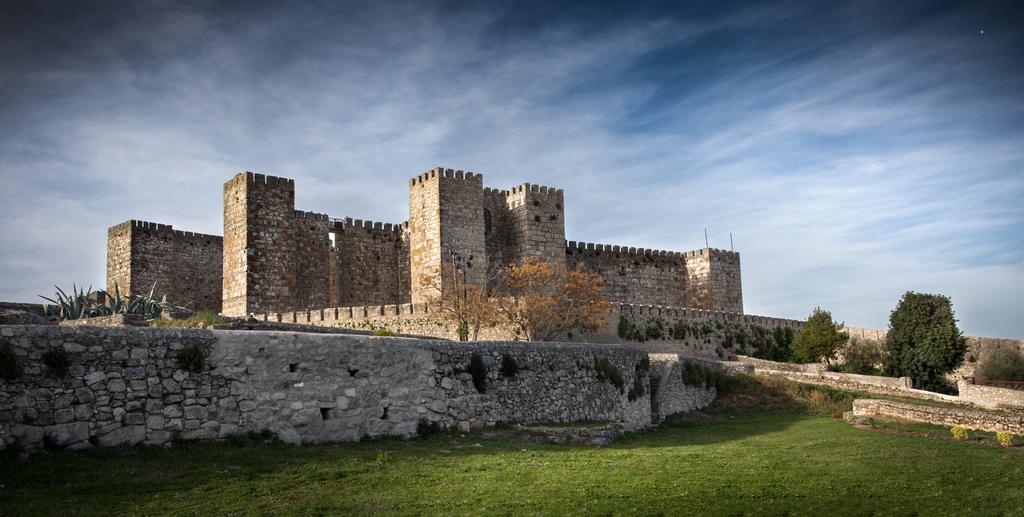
(499, 232)
(124, 387)
(445, 215)
(370, 263)
(712, 334)
(633, 275)
(184, 266)
(277, 259)
(310, 256)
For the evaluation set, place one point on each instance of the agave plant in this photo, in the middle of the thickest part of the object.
(82, 304)
(116, 303)
(79, 304)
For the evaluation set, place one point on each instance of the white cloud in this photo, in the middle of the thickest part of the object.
(844, 176)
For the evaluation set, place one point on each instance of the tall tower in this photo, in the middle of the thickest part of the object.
(538, 223)
(713, 280)
(275, 257)
(446, 214)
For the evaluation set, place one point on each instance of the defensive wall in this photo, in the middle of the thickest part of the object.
(184, 266)
(275, 258)
(125, 386)
(683, 330)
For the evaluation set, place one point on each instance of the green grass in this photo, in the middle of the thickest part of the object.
(753, 463)
(198, 320)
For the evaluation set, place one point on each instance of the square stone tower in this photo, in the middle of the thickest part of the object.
(446, 214)
(276, 258)
(713, 280)
(538, 223)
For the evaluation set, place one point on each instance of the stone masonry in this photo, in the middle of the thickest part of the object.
(184, 266)
(124, 386)
(274, 258)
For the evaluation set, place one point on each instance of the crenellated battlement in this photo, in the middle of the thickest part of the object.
(270, 181)
(148, 226)
(540, 189)
(348, 224)
(686, 313)
(452, 174)
(584, 247)
(311, 216)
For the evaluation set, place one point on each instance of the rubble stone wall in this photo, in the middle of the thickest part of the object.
(124, 386)
(184, 266)
(669, 394)
(992, 421)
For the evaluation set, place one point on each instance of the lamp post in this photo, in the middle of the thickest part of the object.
(457, 267)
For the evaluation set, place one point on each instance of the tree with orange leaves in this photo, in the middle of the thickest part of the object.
(540, 301)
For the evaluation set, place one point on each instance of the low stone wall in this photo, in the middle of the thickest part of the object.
(899, 386)
(124, 386)
(763, 364)
(991, 397)
(971, 419)
(113, 320)
(669, 394)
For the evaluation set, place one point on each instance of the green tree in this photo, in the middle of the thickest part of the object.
(820, 338)
(924, 342)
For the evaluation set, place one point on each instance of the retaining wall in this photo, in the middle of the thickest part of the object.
(124, 386)
(971, 419)
(991, 397)
(669, 394)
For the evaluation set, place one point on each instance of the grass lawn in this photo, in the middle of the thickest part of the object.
(755, 463)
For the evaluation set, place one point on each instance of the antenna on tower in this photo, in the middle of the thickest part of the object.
(730, 242)
(706, 238)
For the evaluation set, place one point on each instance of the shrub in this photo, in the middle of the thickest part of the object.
(57, 361)
(383, 332)
(959, 433)
(198, 320)
(606, 372)
(654, 330)
(629, 331)
(820, 338)
(1005, 439)
(1005, 363)
(478, 370)
(680, 330)
(699, 375)
(10, 367)
(509, 367)
(923, 342)
(191, 358)
(863, 356)
(640, 371)
(694, 374)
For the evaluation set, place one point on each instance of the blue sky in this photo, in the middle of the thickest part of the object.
(854, 150)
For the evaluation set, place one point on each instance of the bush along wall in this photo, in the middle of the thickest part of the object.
(720, 338)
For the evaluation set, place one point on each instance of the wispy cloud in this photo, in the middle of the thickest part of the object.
(850, 162)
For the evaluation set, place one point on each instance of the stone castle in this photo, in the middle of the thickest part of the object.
(274, 258)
